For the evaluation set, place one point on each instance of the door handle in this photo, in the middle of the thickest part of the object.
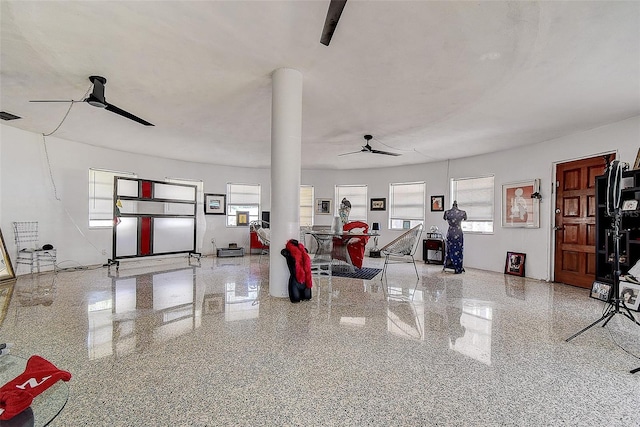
(558, 228)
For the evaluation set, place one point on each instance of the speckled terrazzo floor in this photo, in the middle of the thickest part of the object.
(165, 344)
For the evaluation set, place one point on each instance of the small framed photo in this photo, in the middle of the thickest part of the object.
(406, 225)
(214, 204)
(437, 203)
(242, 218)
(323, 206)
(514, 264)
(630, 205)
(378, 204)
(630, 295)
(601, 291)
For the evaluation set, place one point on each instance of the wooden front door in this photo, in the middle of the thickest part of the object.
(575, 221)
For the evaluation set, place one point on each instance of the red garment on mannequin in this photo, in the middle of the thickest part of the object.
(303, 262)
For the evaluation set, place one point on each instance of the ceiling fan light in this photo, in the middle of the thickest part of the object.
(96, 102)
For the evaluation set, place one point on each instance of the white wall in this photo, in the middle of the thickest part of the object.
(27, 191)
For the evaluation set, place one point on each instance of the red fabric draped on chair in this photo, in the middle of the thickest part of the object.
(350, 248)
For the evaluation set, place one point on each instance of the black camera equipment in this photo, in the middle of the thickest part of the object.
(614, 193)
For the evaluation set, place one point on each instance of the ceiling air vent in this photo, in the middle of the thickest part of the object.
(8, 116)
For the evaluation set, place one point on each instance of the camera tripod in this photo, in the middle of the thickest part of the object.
(615, 304)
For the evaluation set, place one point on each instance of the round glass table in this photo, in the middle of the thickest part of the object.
(44, 408)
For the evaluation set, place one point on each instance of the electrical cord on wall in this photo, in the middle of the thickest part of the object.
(67, 113)
(55, 189)
(62, 121)
(46, 154)
(55, 194)
(44, 143)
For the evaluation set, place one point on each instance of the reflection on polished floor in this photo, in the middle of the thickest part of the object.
(162, 343)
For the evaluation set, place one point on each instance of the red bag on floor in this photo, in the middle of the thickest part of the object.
(17, 394)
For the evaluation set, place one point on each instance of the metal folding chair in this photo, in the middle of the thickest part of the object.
(29, 251)
(402, 249)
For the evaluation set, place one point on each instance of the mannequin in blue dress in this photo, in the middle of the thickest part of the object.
(455, 239)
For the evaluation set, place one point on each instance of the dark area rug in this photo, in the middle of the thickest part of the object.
(358, 273)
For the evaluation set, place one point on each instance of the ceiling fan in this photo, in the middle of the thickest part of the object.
(331, 22)
(97, 99)
(367, 149)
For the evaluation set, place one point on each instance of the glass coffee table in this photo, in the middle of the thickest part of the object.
(44, 408)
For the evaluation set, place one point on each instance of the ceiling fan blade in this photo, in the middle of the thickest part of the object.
(53, 100)
(385, 152)
(353, 152)
(331, 22)
(114, 109)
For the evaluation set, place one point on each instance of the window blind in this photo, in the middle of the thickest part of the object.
(357, 195)
(306, 205)
(476, 197)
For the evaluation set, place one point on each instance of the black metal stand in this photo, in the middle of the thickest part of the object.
(615, 303)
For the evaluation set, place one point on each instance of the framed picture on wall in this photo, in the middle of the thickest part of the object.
(437, 203)
(514, 264)
(214, 204)
(378, 204)
(242, 218)
(519, 209)
(323, 206)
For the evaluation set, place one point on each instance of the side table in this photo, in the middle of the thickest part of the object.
(433, 250)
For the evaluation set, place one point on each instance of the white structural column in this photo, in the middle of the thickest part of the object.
(286, 143)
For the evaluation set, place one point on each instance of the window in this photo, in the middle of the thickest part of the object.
(475, 196)
(242, 198)
(101, 196)
(306, 205)
(406, 205)
(199, 197)
(357, 195)
(199, 191)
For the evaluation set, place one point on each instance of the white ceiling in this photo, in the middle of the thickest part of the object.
(431, 80)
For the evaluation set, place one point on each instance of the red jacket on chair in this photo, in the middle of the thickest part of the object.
(355, 243)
